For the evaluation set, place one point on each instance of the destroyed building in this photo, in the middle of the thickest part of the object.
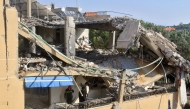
(44, 51)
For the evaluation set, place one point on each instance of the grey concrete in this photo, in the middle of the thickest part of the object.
(32, 46)
(113, 41)
(69, 36)
(29, 3)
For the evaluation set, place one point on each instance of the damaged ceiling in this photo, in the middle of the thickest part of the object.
(153, 51)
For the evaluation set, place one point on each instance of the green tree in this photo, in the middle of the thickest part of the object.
(99, 38)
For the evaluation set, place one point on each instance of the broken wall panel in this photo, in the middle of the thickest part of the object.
(155, 75)
(147, 41)
(82, 37)
(127, 37)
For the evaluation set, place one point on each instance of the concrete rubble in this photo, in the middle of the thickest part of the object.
(157, 43)
(166, 48)
(150, 45)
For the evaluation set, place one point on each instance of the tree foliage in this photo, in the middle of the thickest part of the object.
(99, 38)
(182, 26)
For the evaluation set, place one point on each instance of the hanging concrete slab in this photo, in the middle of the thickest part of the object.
(128, 35)
(157, 74)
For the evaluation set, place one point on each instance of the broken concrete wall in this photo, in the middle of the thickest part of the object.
(127, 37)
(48, 34)
(11, 86)
(82, 37)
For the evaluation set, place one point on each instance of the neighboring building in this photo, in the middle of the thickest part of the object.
(96, 15)
(50, 7)
(170, 29)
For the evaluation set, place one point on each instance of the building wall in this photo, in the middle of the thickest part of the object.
(11, 91)
(80, 33)
(1, 4)
(152, 102)
(57, 94)
(97, 93)
(47, 34)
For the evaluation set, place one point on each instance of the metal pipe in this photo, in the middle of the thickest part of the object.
(164, 73)
(77, 87)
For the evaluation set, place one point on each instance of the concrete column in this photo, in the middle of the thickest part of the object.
(69, 36)
(29, 3)
(121, 88)
(32, 46)
(112, 40)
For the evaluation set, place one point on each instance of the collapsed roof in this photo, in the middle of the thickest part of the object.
(132, 34)
(157, 43)
(38, 10)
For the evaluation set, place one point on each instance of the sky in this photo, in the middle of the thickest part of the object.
(160, 12)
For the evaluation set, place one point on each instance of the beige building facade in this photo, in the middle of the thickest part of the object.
(12, 88)
(11, 91)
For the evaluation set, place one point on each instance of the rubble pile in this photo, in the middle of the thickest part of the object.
(58, 23)
(166, 48)
(37, 64)
(156, 42)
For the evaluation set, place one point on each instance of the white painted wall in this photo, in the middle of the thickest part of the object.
(57, 94)
(80, 33)
(97, 93)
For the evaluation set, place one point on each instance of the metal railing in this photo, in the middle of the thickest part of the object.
(84, 105)
(149, 93)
